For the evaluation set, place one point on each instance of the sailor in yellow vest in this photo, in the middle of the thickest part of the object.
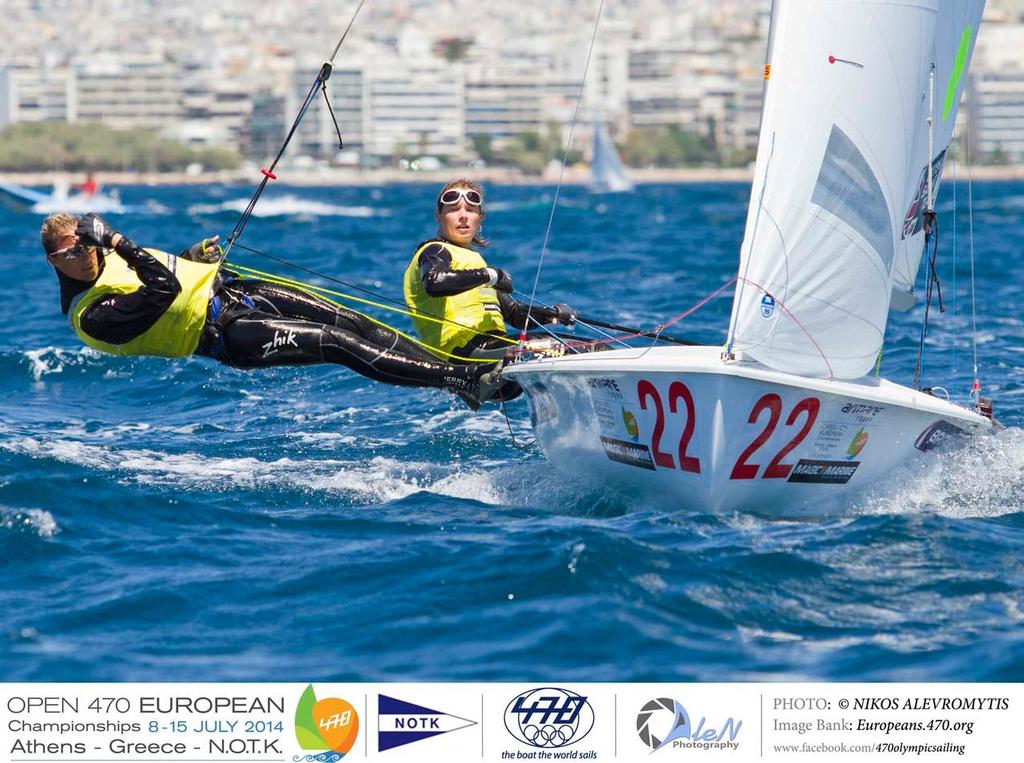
(128, 301)
(460, 305)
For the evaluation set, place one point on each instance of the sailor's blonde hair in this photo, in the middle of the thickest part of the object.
(55, 227)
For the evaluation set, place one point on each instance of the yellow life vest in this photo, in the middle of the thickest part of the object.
(176, 333)
(466, 315)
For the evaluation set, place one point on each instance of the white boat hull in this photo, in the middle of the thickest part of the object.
(681, 428)
(20, 199)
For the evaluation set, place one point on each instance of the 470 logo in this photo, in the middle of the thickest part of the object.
(549, 717)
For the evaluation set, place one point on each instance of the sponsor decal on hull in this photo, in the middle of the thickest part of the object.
(857, 444)
(616, 418)
(938, 434)
(823, 472)
(625, 452)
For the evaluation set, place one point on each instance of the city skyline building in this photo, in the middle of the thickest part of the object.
(430, 76)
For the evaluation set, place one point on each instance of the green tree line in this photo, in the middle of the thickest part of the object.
(41, 146)
(672, 146)
(667, 146)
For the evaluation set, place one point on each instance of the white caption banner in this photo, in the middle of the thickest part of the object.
(321, 722)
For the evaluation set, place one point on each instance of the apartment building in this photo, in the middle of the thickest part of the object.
(37, 95)
(130, 92)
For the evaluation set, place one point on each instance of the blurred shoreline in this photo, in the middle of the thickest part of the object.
(489, 175)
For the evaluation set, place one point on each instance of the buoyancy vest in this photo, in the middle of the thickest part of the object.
(466, 315)
(176, 333)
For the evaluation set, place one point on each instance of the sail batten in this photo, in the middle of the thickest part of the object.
(834, 223)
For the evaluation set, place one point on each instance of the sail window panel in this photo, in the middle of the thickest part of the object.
(848, 189)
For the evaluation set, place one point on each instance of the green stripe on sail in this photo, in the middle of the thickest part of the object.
(958, 69)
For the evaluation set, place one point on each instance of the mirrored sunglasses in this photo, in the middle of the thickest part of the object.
(71, 252)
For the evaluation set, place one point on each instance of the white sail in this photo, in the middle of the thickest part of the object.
(607, 175)
(956, 30)
(842, 146)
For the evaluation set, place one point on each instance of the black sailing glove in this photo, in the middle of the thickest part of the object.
(207, 250)
(93, 229)
(562, 313)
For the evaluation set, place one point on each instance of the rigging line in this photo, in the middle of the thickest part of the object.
(932, 280)
(605, 334)
(593, 323)
(401, 306)
(321, 292)
(565, 160)
(347, 30)
(330, 110)
(956, 164)
(690, 311)
(508, 422)
(268, 174)
(976, 385)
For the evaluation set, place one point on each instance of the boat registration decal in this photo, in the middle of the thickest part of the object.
(807, 410)
(680, 401)
(823, 472)
(631, 453)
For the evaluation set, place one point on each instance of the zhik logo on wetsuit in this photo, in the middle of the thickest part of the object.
(281, 338)
(401, 722)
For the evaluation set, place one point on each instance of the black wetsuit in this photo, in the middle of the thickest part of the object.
(256, 324)
(439, 280)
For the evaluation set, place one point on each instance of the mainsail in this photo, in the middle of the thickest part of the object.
(607, 175)
(835, 211)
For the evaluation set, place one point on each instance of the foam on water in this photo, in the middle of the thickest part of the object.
(36, 521)
(983, 478)
(374, 480)
(53, 360)
(287, 206)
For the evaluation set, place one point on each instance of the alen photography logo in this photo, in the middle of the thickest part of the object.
(328, 727)
(549, 717)
(663, 722)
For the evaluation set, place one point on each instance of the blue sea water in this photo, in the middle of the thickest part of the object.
(181, 520)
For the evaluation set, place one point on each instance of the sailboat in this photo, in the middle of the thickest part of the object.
(607, 175)
(18, 198)
(859, 107)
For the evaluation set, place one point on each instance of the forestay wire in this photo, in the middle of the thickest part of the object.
(561, 173)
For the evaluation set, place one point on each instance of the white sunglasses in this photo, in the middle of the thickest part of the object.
(453, 195)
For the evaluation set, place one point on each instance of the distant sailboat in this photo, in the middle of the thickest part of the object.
(18, 198)
(607, 175)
